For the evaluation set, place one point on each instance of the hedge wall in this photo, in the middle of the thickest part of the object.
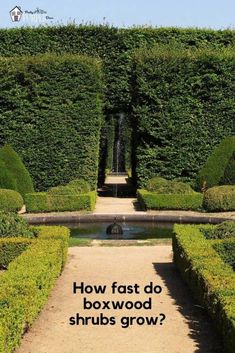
(114, 46)
(182, 107)
(55, 104)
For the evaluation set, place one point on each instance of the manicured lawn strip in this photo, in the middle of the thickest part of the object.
(155, 201)
(45, 202)
(210, 279)
(26, 285)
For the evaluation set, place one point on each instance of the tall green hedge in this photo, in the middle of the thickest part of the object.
(182, 107)
(114, 46)
(50, 112)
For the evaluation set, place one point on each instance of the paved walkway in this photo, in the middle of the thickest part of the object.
(186, 328)
(113, 202)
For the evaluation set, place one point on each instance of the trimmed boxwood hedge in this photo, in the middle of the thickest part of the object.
(51, 113)
(218, 167)
(182, 108)
(10, 200)
(226, 250)
(10, 248)
(212, 281)
(26, 285)
(154, 201)
(220, 198)
(46, 202)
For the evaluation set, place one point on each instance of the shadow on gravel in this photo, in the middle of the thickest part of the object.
(201, 327)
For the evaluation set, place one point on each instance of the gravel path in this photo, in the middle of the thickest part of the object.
(186, 328)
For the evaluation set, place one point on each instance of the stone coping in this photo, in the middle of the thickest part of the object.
(151, 216)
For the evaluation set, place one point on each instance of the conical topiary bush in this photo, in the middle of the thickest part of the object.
(17, 169)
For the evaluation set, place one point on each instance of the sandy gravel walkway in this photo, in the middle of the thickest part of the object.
(186, 328)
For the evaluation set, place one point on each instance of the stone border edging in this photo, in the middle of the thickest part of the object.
(140, 217)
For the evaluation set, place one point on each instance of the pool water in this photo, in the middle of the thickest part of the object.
(131, 231)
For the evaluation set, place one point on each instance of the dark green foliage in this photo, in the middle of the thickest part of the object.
(10, 200)
(114, 46)
(219, 165)
(154, 201)
(48, 202)
(7, 180)
(226, 250)
(26, 285)
(50, 112)
(229, 173)
(163, 186)
(211, 281)
(10, 248)
(17, 169)
(224, 230)
(110, 138)
(79, 186)
(13, 225)
(182, 107)
(220, 198)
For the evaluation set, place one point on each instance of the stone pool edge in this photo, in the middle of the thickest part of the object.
(171, 216)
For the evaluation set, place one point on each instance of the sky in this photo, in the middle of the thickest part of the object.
(216, 14)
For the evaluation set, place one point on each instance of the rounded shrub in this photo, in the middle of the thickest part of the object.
(215, 168)
(10, 200)
(61, 190)
(7, 180)
(156, 183)
(220, 198)
(12, 225)
(17, 169)
(81, 186)
(229, 173)
(163, 186)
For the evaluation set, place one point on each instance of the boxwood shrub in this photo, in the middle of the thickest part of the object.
(7, 180)
(220, 198)
(211, 281)
(13, 225)
(26, 285)
(48, 202)
(163, 186)
(218, 167)
(10, 200)
(154, 201)
(226, 250)
(10, 248)
(17, 170)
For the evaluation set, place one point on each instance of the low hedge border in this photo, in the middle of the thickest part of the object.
(45, 202)
(25, 287)
(210, 279)
(154, 201)
(226, 250)
(10, 248)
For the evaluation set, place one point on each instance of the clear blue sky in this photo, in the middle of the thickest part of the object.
(124, 13)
